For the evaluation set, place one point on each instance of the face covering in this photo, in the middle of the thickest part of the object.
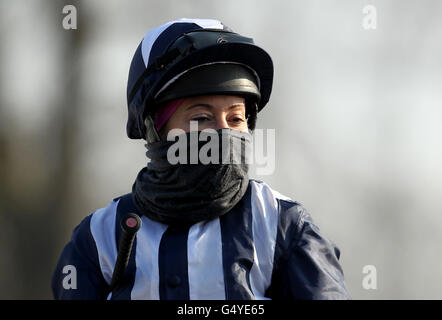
(199, 176)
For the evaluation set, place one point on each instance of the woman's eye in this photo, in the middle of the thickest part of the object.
(237, 120)
(200, 119)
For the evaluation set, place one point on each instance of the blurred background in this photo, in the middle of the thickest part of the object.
(357, 115)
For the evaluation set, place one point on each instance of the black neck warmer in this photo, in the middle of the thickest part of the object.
(194, 189)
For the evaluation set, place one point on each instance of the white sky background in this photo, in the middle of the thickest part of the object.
(357, 115)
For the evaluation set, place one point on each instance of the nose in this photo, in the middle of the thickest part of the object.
(221, 123)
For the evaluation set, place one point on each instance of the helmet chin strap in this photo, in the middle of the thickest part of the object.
(251, 114)
(152, 135)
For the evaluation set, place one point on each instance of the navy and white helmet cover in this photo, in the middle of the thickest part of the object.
(142, 86)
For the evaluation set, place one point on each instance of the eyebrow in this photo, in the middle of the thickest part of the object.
(212, 107)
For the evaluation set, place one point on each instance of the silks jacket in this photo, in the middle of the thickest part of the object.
(266, 247)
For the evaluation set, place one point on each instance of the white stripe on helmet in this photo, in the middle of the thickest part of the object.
(152, 35)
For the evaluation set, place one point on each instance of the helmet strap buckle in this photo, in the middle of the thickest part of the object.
(152, 135)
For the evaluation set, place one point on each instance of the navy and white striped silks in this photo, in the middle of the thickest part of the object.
(266, 247)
